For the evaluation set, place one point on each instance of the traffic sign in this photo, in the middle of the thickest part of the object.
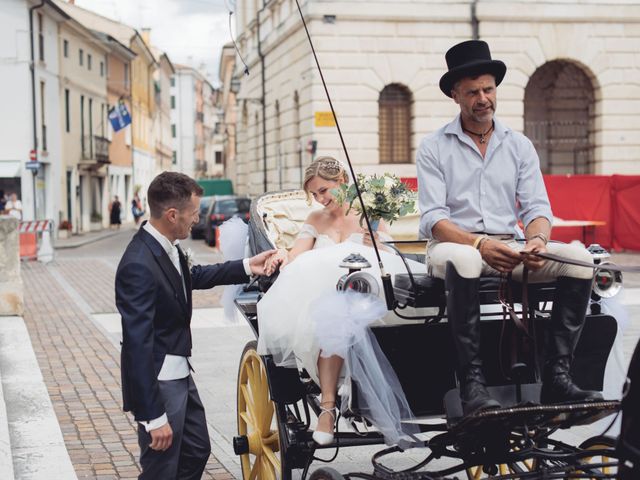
(33, 156)
(33, 165)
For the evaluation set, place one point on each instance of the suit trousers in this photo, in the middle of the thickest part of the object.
(190, 450)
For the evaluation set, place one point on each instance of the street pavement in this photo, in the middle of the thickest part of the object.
(71, 320)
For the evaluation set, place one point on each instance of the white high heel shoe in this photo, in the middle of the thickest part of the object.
(325, 438)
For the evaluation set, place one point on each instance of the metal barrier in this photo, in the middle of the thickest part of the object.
(35, 240)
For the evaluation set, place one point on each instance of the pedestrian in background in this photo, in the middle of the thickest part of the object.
(154, 282)
(136, 208)
(3, 201)
(14, 206)
(115, 209)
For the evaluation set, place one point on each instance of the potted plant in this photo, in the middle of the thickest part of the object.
(64, 229)
(96, 221)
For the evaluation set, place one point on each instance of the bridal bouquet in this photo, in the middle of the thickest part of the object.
(385, 197)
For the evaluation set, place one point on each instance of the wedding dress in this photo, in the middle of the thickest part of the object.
(303, 316)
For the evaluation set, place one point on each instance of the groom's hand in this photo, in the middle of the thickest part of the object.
(258, 262)
(161, 438)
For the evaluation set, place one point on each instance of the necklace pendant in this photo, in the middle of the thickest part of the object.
(482, 139)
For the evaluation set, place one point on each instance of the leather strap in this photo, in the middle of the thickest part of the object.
(608, 266)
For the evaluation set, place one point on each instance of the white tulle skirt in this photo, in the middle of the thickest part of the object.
(302, 316)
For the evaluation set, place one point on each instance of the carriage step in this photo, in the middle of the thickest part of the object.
(534, 417)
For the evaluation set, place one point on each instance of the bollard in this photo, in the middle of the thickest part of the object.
(11, 288)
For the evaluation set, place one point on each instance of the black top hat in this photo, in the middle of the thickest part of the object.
(468, 59)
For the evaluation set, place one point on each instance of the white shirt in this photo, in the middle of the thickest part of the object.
(479, 194)
(14, 209)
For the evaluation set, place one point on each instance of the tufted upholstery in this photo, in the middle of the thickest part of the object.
(283, 214)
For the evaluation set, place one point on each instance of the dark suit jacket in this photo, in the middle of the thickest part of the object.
(156, 316)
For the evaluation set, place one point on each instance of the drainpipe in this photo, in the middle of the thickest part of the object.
(475, 24)
(263, 101)
(33, 99)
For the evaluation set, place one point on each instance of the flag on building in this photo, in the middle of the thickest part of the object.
(119, 116)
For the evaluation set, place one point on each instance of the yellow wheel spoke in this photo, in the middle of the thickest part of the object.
(247, 420)
(255, 470)
(257, 416)
(273, 459)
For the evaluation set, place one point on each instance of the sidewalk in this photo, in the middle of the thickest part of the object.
(80, 367)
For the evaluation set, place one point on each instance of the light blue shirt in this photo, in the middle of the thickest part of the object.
(479, 195)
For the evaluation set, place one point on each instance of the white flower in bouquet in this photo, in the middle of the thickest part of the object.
(385, 197)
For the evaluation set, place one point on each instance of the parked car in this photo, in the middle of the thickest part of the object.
(197, 231)
(222, 208)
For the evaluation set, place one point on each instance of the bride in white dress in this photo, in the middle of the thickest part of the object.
(303, 322)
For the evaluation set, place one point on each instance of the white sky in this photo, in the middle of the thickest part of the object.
(191, 32)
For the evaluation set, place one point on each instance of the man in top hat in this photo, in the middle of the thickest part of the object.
(477, 179)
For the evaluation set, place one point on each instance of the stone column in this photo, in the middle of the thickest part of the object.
(11, 288)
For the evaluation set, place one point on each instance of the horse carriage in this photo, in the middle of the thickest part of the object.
(275, 404)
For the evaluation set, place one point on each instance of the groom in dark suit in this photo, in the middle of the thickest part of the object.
(153, 295)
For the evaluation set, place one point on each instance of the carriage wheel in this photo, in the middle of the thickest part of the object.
(601, 442)
(326, 473)
(522, 466)
(258, 420)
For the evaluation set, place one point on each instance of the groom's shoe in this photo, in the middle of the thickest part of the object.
(325, 438)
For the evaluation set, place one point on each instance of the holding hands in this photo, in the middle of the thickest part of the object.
(279, 258)
(259, 264)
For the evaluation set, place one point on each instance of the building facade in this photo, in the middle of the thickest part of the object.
(194, 124)
(84, 123)
(563, 88)
(120, 152)
(31, 110)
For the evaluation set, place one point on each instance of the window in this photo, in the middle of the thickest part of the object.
(65, 48)
(102, 69)
(42, 116)
(81, 57)
(394, 117)
(91, 128)
(173, 131)
(40, 37)
(82, 142)
(218, 158)
(126, 75)
(67, 119)
(173, 81)
(173, 101)
(175, 157)
(89, 62)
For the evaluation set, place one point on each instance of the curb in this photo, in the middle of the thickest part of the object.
(84, 241)
(6, 460)
(38, 450)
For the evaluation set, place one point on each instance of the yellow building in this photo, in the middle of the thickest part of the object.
(85, 147)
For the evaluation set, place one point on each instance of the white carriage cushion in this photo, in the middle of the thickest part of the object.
(284, 214)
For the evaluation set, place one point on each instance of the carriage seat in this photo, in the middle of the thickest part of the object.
(430, 292)
(283, 213)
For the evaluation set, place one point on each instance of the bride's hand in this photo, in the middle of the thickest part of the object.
(279, 258)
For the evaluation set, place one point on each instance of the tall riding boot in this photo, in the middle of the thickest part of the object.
(561, 337)
(463, 314)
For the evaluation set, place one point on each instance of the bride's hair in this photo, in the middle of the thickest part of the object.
(327, 168)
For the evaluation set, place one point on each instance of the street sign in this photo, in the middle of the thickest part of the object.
(32, 165)
(33, 156)
(324, 119)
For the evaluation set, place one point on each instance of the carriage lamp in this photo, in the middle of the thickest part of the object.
(357, 280)
(606, 283)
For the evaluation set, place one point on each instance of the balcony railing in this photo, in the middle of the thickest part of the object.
(95, 149)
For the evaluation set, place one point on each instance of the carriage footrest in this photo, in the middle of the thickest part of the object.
(534, 417)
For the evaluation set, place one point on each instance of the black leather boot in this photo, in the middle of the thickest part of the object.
(463, 314)
(561, 337)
